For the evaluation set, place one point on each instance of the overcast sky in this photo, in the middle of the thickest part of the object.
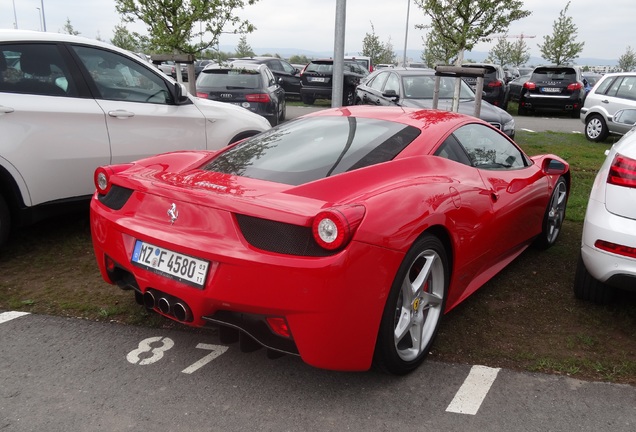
(607, 28)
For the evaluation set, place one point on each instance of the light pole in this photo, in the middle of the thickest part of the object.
(43, 18)
(15, 17)
(406, 33)
(40, 16)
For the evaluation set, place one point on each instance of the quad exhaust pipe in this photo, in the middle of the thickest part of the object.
(167, 305)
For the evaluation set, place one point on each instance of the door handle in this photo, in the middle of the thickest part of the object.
(494, 196)
(6, 109)
(121, 113)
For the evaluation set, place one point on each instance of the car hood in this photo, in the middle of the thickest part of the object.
(488, 112)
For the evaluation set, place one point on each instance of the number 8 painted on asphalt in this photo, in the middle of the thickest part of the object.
(144, 346)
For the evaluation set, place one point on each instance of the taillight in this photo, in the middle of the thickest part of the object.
(622, 172)
(575, 86)
(530, 85)
(102, 176)
(258, 97)
(202, 95)
(333, 228)
(618, 249)
(494, 83)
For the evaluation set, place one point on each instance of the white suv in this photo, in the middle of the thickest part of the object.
(608, 247)
(613, 92)
(70, 104)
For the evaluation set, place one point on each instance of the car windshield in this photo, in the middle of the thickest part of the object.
(327, 67)
(230, 79)
(309, 149)
(557, 74)
(423, 87)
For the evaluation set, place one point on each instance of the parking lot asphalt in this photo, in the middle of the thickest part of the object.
(62, 374)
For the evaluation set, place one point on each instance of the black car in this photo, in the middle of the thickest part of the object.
(415, 87)
(515, 86)
(249, 85)
(495, 88)
(553, 88)
(290, 75)
(316, 81)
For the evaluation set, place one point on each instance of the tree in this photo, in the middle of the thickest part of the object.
(299, 59)
(68, 28)
(561, 48)
(185, 26)
(519, 53)
(388, 55)
(372, 47)
(436, 52)
(124, 39)
(627, 62)
(460, 24)
(243, 49)
(501, 52)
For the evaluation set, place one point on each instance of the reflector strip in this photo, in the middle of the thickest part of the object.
(616, 248)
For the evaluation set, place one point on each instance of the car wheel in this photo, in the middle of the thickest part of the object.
(414, 308)
(348, 97)
(283, 112)
(5, 221)
(554, 215)
(588, 288)
(307, 100)
(595, 128)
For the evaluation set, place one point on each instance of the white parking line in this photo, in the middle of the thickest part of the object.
(527, 130)
(8, 316)
(473, 391)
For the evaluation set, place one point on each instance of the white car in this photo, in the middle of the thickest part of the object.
(70, 104)
(608, 247)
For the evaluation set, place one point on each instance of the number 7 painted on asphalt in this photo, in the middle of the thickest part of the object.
(217, 350)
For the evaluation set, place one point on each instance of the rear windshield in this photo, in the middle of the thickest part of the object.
(327, 67)
(309, 149)
(230, 79)
(554, 74)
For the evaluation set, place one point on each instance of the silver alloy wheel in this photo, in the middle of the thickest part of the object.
(594, 128)
(419, 305)
(556, 211)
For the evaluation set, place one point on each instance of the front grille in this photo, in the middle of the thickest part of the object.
(280, 237)
(116, 197)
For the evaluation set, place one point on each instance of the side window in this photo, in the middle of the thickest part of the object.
(451, 149)
(627, 89)
(275, 65)
(288, 68)
(392, 83)
(269, 77)
(602, 87)
(119, 78)
(378, 81)
(488, 149)
(37, 69)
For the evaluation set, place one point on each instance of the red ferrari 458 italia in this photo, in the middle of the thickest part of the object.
(342, 236)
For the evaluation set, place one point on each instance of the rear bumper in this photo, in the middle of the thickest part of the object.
(332, 305)
(547, 102)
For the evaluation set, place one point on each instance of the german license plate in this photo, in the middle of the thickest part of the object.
(551, 90)
(173, 265)
(317, 79)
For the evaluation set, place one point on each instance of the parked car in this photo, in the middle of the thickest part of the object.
(495, 87)
(287, 73)
(166, 67)
(614, 92)
(553, 88)
(316, 81)
(365, 62)
(525, 70)
(590, 79)
(69, 104)
(200, 64)
(183, 69)
(249, 85)
(608, 249)
(369, 222)
(414, 88)
(515, 87)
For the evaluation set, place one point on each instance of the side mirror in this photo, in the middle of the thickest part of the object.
(180, 92)
(553, 166)
(390, 94)
(625, 116)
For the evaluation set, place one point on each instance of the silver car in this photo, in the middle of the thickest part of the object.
(613, 92)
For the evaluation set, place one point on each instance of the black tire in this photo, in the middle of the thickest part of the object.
(595, 128)
(408, 307)
(283, 112)
(554, 215)
(307, 100)
(5, 221)
(348, 97)
(590, 289)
